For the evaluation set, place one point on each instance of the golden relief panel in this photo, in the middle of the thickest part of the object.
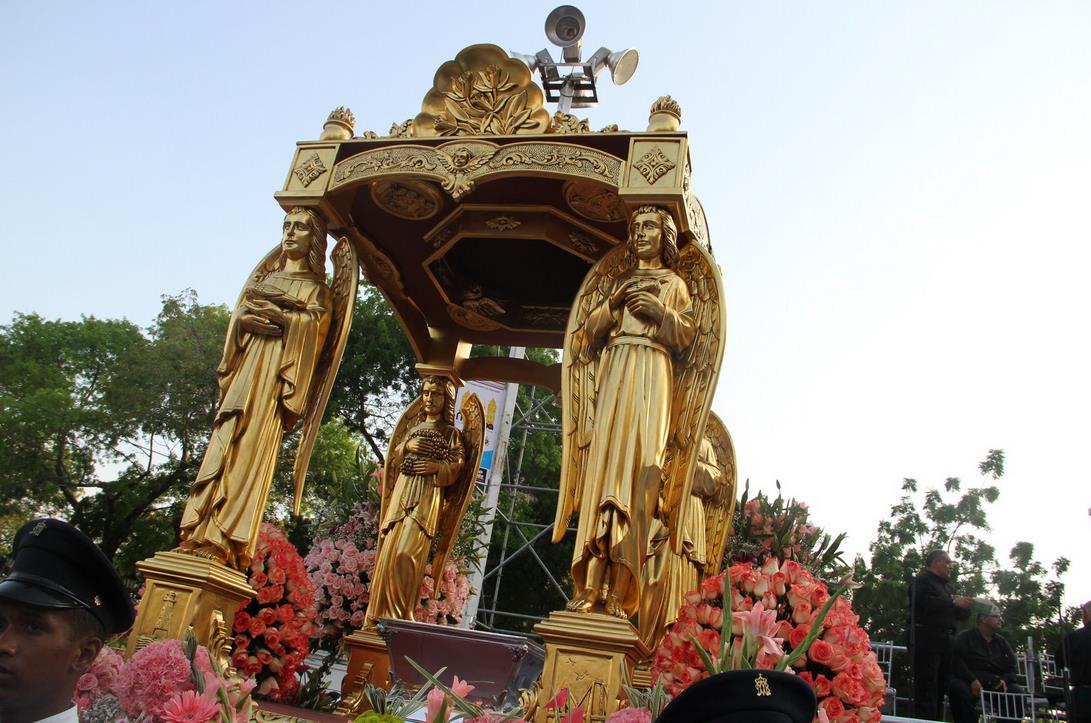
(594, 201)
(503, 223)
(482, 92)
(460, 164)
(308, 171)
(653, 165)
(411, 200)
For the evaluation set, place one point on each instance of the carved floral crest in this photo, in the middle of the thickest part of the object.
(482, 92)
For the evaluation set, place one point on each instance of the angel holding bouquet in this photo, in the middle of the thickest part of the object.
(642, 350)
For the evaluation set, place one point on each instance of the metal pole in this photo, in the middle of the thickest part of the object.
(492, 492)
(517, 476)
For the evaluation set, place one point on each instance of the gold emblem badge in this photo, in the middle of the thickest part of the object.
(761, 686)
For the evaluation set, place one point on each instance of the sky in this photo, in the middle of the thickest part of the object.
(898, 195)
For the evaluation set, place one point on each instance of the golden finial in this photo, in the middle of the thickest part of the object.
(339, 125)
(666, 115)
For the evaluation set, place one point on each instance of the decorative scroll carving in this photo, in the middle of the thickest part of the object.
(470, 320)
(482, 92)
(309, 170)
(555, 156)
(355, 703)
(545, 317)
(653, 165)
(410, 200)
(583, 244)
(401, 130)
(459, 165)
(379, 264)
(568, 123)
(503, 223)
(475, 300)
(386, 160)
(220, 640)
(594, 202)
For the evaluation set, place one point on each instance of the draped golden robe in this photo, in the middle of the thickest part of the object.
(264, 380)
(409, 525)
(634, 379)
(667, 577)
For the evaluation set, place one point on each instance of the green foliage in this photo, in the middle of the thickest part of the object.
(378, 373)
(104, 424)
(954, 519)
(782, 529)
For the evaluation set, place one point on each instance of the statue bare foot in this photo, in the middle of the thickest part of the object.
(582, 603)
(613, 607)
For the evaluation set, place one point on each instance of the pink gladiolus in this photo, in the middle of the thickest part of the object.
(560, 700)
(437, 707)
(461, 688)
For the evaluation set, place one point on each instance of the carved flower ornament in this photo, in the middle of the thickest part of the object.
(482, 92)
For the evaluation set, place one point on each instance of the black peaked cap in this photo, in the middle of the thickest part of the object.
(58, 567)
(743, 696)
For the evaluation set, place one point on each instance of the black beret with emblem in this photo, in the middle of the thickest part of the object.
(743, 696)
(56, 566)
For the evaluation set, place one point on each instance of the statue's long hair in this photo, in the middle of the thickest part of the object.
(450, 391)
(669, 251)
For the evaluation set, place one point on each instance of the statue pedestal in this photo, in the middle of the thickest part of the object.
(590, 654)
(185, 591)
(369, 662)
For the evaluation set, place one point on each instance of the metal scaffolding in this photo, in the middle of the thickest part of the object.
(518, 537)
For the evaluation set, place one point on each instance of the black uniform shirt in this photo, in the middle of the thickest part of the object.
(985, 661)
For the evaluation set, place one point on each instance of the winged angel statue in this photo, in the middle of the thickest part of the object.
(642, 353)
(667, 576)
(428, 480)
(284, 345)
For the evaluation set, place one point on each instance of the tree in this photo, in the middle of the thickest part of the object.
(955, 520)
(378, 375)
(105, 425)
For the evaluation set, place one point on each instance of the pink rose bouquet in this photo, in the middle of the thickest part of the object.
(445, 605)
(274, 628)
(340, 568)
(777, 617)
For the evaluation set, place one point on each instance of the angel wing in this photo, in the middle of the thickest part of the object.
(456, 497)
(720, 507)
(346, 270)
(695, 373)
(578, 385)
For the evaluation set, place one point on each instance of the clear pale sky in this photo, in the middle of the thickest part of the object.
(898, 195)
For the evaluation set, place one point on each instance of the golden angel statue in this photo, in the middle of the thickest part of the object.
(429, 477)
(284, 344)
(668, 576)
(642, 352)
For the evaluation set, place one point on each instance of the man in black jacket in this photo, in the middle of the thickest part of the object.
(934, 613)
(1075, 654)
(982, 658)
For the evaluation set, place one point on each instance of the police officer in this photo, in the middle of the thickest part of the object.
(58, 605)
